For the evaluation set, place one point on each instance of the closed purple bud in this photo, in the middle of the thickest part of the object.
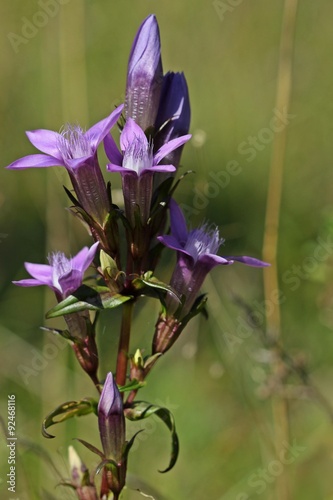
(174, 114)
(111, 420)
(144, 75)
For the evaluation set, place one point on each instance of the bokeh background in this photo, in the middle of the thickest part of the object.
(70, 66)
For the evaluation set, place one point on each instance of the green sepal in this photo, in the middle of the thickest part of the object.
(138, 410)
(70, 485)
(129, 444)
(63, 333)
(174, 187)
(150, 360)
(110, 465)
(68, 410)
(92, 298)
(91, 447)
(151, 286)
(198, 307)
(160, 198)
(72, 198)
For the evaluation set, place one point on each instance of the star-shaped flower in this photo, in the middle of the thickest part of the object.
(76, 150)
(196, 255)
(62, 275)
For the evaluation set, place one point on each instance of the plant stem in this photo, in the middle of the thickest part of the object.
(124, 340)
(271, 285)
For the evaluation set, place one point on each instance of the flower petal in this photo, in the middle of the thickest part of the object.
(41, 272)
(46, 141)
(112, 151)
(73, 164)
(70, 282)
(110, 167)
(209, 261)
(98, 131)
(82, 260)
(28, 282)
(171, 242)
(130, 133)
(249, 261)
(33, 161)
(178, 223)
(161, 168)
(170, 146)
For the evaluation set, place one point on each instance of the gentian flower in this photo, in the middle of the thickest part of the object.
(144, 75)
(137, 163)
(196, 255)
(62, 275)
(174, 114)
(75, 150)
(111, 420)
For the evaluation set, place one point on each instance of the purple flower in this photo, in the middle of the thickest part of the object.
(111, 420)
(137, 164)
(174, 114)
(62, 275)
(75, 150)
(144, 75)
(196, 255)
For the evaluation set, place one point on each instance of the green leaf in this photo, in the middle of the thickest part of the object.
(138, 410)
(68, 410)
(88, 298)
(151, 286)
(131, 386)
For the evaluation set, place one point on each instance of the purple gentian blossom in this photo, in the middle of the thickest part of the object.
(144, 75)
(137, 163)
(75, 150)
(174, 114)
(62, 275)
(111, 420)
(196, 255)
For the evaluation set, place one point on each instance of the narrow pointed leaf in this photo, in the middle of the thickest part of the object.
(139, 410)
(198, 307)
(88, 298)
(151, 286)
(129, 444)
(68, 410)
(91, 447)
(131, 386)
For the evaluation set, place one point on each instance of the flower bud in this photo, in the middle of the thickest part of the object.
(85, 489)
(174, 114)
(137, 366)
(144, 75)
(111, 420)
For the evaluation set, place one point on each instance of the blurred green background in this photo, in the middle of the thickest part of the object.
(72, 68)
